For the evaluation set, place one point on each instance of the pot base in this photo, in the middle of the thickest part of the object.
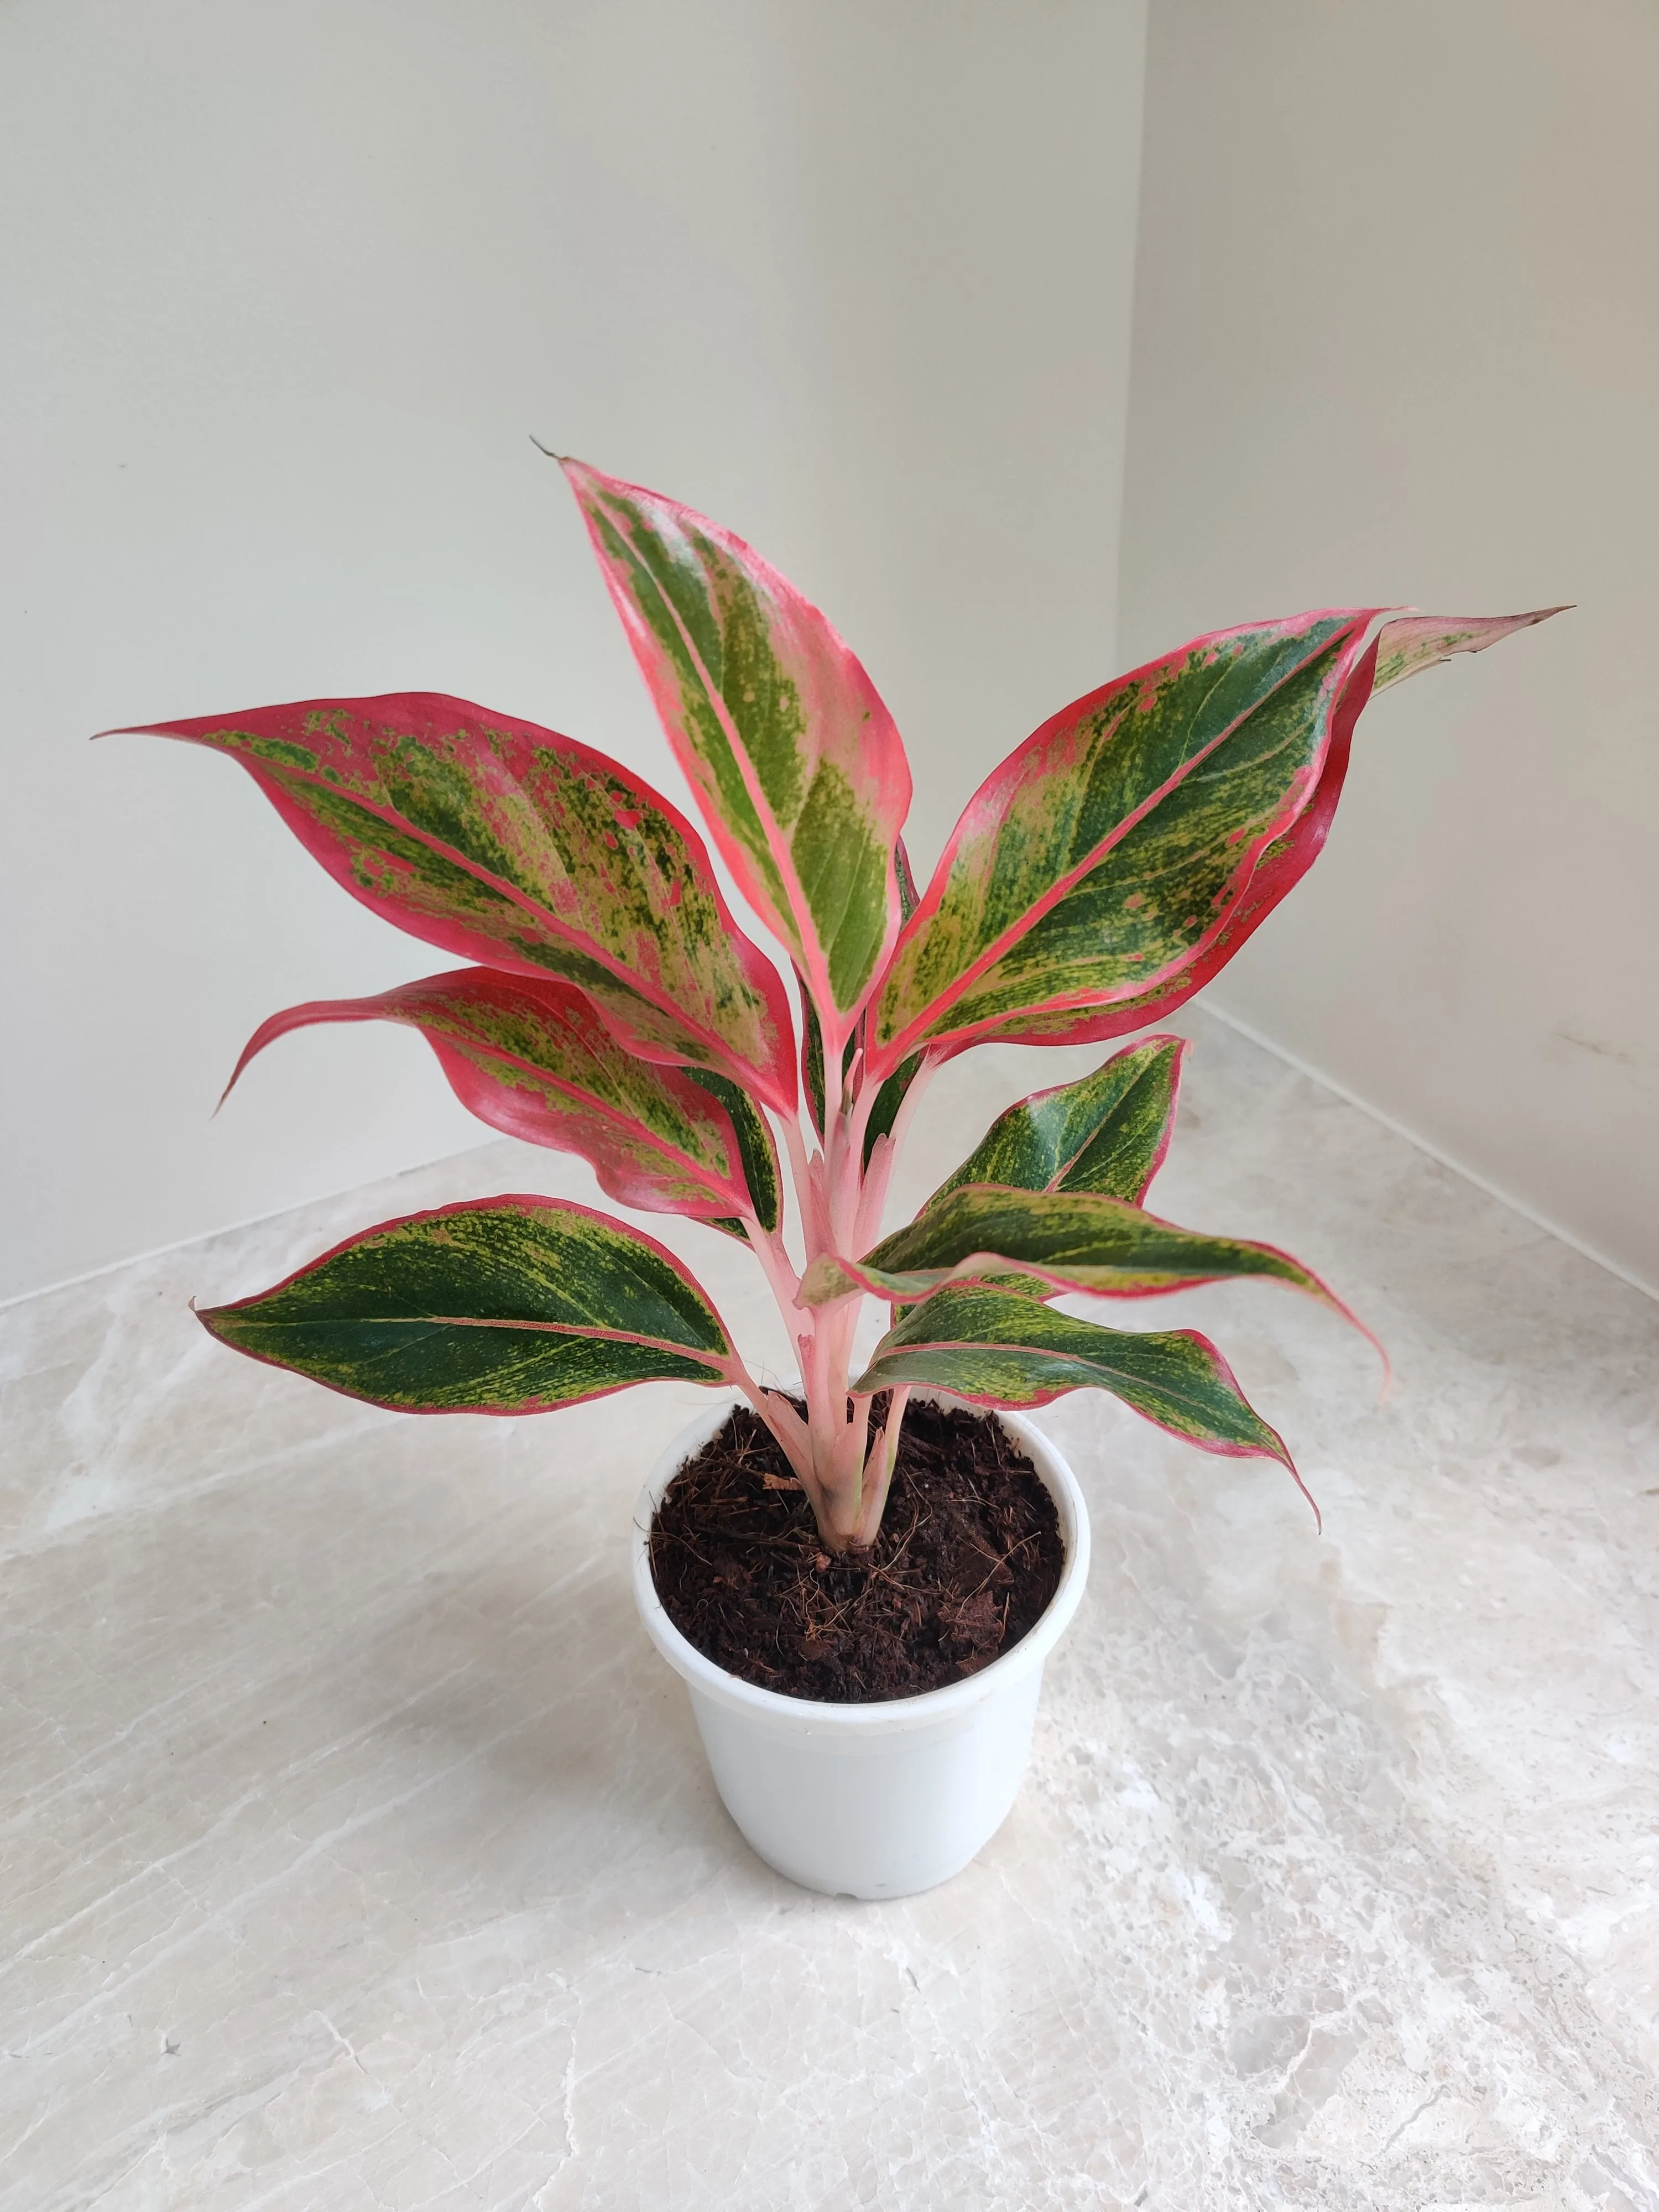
(889, 1817)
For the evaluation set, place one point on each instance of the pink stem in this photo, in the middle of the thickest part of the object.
(878, 1468)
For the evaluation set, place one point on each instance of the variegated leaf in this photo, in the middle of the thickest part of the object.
(1413, 643)
(1410, 643)
(531, 1058)
(757, 1154)
(1104, 852)
(796, 762)
(508, 843)
(1276, 873)
(1107, 1132)
(996, 1348)
(883, 1111)
(1072, 1240)
(1124, 853)
(499, 1305)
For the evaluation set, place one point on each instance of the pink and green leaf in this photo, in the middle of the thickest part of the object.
(995, 1348)
(1069, 1240)
(757, 1153)
(501, 1305)
(1107, 1132)
(1276, 873)
(1110, 865)
(510, 844)
(795, 760)
(531, 1057)
(1102, 855)
(1410, 643)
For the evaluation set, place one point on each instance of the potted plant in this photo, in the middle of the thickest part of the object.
(613, 1008)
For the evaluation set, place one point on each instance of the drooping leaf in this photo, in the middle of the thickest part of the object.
(1072, 1240)
(1111, 864)
(1107, 1132)
(499, 1305)
(531, 1057)
(1410, 643)
(799, 771)
(508, 843)
(998, 1348)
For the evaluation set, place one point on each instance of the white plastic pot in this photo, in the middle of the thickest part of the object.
(873, 1799)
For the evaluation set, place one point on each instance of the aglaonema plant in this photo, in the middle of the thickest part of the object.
(1102, 875)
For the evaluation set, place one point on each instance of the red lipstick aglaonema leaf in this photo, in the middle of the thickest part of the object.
(1248, 886)
(998, 1346)
(1127, 849)
(1104, 856)
(1107, 1132)
(510, 844)
(796, 762)
(531, 1058)
(499, 1305)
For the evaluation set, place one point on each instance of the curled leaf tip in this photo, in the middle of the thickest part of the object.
(1319, 1518)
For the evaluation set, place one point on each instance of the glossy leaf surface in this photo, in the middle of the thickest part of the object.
(501, 1305)
(508, 843)
(1121, 855)
(1072, 1240)
(1103, 855)
(531, 1058)
(1412, 643)
(998, 1348)
(799, 771)
(1107, 1132)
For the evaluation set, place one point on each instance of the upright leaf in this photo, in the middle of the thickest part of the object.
(1072, 1240)
(995, 1348)
(1124, 853)
(510, 844)
(1107, 1132)
(531, 1058)
(756, 1153)
(499, 1305)
(795, 760)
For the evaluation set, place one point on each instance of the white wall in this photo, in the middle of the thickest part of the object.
(1397, 340)
(285, 292)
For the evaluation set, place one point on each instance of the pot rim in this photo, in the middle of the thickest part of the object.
(887, 1715)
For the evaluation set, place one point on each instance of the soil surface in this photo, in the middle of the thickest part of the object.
(968, 1556)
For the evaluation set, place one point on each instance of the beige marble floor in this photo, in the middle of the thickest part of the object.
(358, 1852)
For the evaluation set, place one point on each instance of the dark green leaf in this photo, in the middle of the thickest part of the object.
(499, 1305)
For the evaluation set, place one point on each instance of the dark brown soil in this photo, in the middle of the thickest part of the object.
(968, 1556)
